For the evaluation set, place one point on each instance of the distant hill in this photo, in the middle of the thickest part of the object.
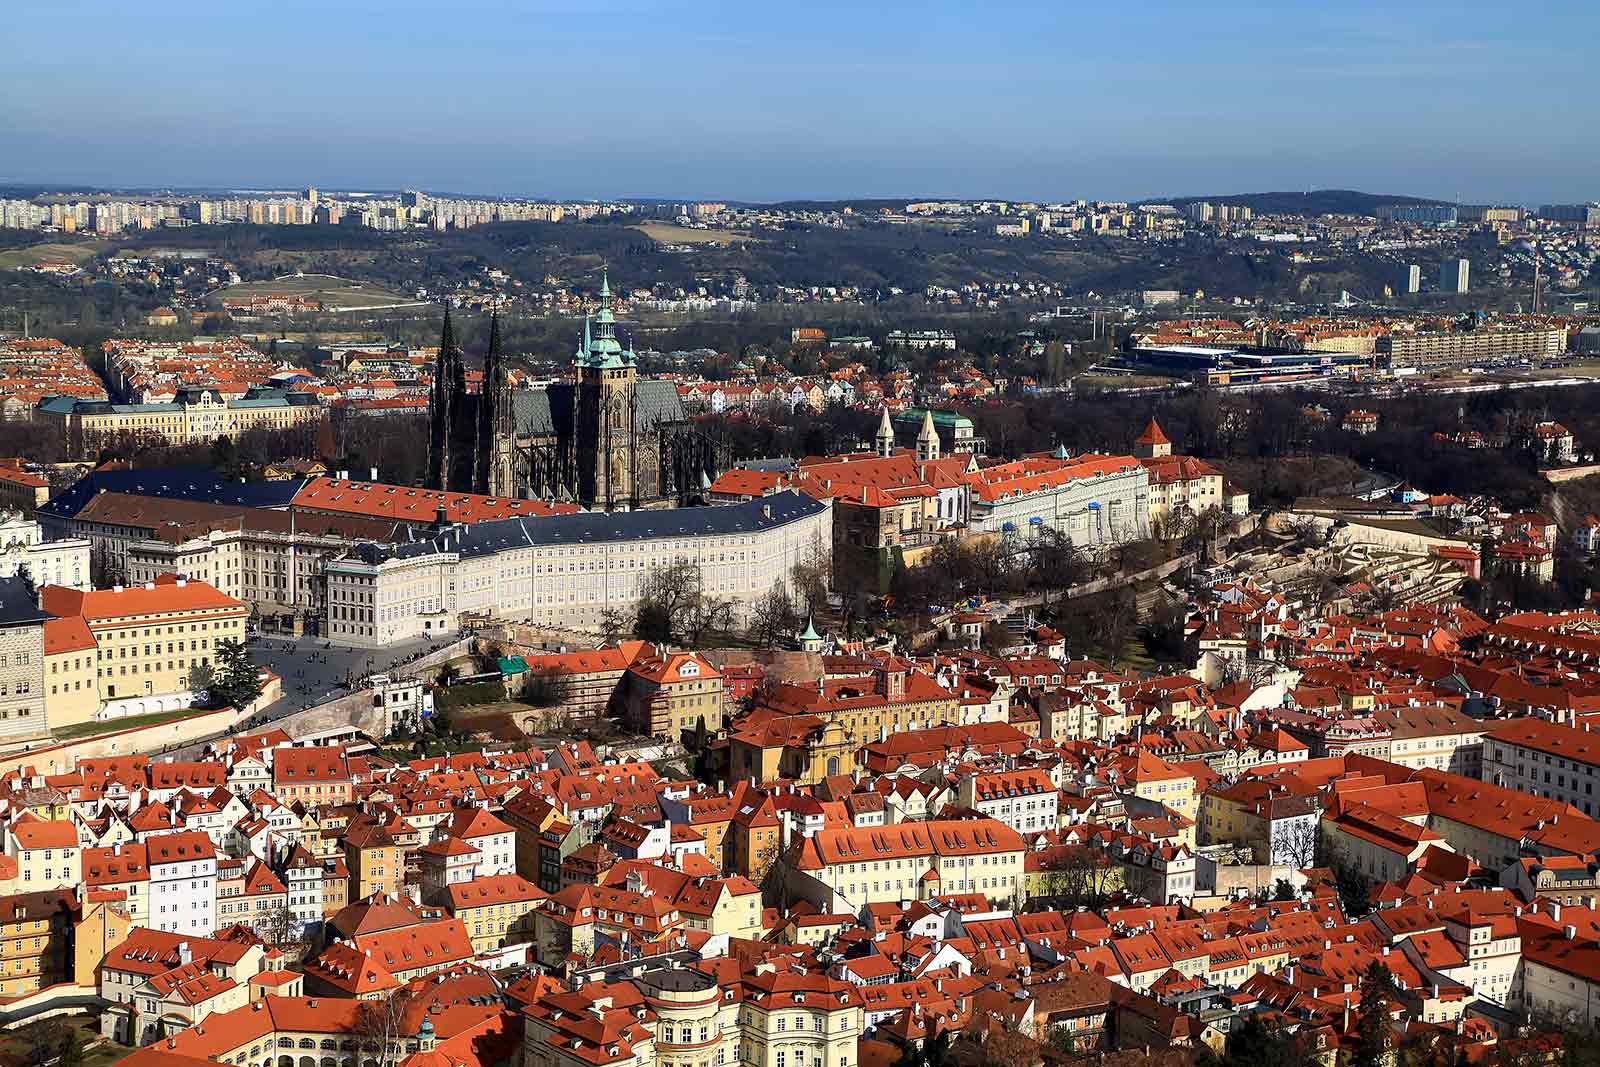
(1316, 202)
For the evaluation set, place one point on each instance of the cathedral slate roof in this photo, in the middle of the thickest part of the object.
(656, 400)
(548, 411)
(530, 413)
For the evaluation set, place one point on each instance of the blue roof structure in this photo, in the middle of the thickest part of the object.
(172, 483)
(19, 606)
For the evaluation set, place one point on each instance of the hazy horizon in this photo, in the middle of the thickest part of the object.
(1022, 101)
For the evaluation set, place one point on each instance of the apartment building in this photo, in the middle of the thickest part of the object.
(194, 416)
(21, 490)
(35, 939)
(1096, 500)
(1545, 759)
(1435, 349)
(22, 666)
(496, 910)
(777, 1018)
(149, 637)
(183, 883)
(1433, 737)
(46, 852)
(138, 975)
(1025, 800)
(120, 872)
(667, 696)
(23, 550)
(843, 870)
(72, 693)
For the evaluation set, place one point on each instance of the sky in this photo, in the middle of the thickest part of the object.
(762, 101)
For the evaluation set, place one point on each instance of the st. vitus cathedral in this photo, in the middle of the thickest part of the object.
(607, 440)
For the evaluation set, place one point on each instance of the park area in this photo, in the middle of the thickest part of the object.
(332, 292)
(668, 234)
(76, 253)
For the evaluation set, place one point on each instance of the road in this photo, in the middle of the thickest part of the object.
(312, 672)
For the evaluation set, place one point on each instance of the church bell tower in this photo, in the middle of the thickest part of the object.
(605, 373)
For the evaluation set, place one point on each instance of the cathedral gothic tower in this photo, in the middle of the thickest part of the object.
(470, 436)
(607, 439)
(609, 451)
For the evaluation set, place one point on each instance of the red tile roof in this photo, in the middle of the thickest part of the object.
(167, 594)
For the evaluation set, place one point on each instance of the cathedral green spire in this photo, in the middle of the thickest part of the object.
(600, 349)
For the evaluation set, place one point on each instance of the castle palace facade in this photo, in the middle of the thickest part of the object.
(607, 440)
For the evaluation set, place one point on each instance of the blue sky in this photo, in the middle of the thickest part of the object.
(764, 101)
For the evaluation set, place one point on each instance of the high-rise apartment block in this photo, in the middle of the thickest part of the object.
(1453, 275)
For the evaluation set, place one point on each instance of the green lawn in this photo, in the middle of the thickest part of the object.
(1135, 657)
(90, 729)
(402, 753)
(333, 292)
(469, 694)
(20, 1046)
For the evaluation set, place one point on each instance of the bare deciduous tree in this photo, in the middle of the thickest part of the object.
(812, 575)
(379, 1027)
(772, 618)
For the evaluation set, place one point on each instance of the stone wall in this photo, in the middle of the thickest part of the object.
(59, 757)
(357, 709)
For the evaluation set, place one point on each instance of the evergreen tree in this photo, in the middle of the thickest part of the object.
(1373, 1035)
(225, 458)
(327, 445)
(235, 678)
(71, 1049)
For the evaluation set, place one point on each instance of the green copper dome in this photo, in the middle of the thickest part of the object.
(600, 349)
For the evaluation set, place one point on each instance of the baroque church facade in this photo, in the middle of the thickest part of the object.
(607, 440)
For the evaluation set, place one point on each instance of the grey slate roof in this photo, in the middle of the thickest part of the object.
(656, 400)
(17, 604)
(530, 413)
(487, 538)
(548, 411)
(254, 398)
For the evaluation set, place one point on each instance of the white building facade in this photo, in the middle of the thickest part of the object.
(564, 570)
(183, 883)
